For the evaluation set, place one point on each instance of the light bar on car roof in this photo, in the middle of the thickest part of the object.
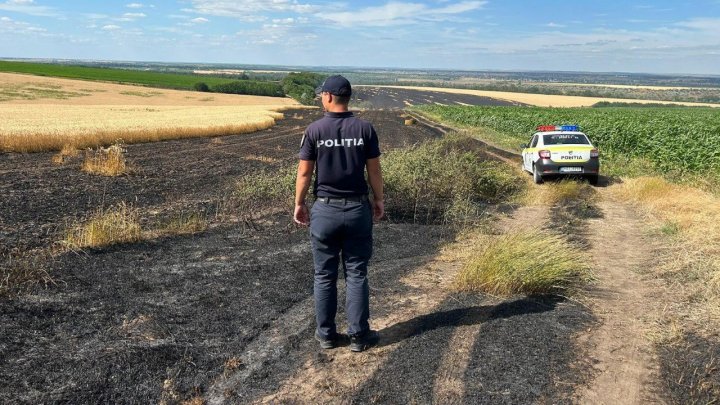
(545, 128)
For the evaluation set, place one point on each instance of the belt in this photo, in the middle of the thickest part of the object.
(357, 198)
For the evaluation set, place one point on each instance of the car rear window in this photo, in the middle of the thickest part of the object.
(565, 139)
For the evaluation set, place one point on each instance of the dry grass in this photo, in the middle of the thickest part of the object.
(120, 224)
(689, 218)
(523, 261)
(544, 100)
(184, 224)
(67, 151)
(34, 128)
(106, 161)
(23, 271)
(559, 193)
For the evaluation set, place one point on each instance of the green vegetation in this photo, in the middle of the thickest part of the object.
(670, 140)
(525, 262)
(261, 192)
(201, 86)
(152, 79)
(301, 86)
(606, 104)
(249, 87)
(445, 180)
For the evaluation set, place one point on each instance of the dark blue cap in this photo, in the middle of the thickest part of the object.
(336, 85)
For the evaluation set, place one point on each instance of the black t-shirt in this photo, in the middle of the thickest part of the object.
(339, 143)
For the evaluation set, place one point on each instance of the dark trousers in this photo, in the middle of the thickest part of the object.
(341, 230)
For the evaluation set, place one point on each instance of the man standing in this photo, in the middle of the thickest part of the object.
(339, 148)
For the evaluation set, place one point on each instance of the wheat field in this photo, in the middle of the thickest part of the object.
(46, 114)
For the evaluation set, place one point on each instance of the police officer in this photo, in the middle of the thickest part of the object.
(339, 148)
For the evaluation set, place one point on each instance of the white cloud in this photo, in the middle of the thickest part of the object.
(289, 20)
(95, 16)
(282, 32)
(9, 26)
(555, 25)
(200, 20)
(248, 10)
(134, 15)
(134, 5)
(702, 24)
(28, 7)
(111, 27)
(397, 13)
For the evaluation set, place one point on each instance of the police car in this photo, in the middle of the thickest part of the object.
(561, 150)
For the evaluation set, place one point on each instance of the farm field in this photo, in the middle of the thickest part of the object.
(40, 114)
(378, 97)
(223, 313)
(670, 139)
(546, 100)
(153, 79)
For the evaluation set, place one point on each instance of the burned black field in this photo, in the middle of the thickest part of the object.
(226, 314)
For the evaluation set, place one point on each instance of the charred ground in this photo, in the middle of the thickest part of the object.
(167, 319)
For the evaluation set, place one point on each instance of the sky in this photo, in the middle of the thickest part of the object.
(658, 36)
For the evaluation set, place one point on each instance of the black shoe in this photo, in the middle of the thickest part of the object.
(364, 342)
(331, 343)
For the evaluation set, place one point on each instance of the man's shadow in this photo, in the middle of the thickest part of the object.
(473, 315)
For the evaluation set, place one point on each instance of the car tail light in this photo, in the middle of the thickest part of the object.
(544, 154)
(594, 153)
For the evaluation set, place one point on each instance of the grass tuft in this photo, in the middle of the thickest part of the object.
(265, 190)
(108, 161)
(525, 262)
(66, 152)
(185, 224)
(20, 272)
(563, 192)
(120, 224)
(445, 181)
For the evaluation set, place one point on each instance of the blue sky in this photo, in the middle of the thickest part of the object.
(658, 36)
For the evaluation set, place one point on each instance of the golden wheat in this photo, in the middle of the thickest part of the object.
(33, 128)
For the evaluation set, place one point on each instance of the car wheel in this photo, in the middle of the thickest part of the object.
(593, 179)
(537, 177)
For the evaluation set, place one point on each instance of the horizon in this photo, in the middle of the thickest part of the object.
(635, 37)
(319, 68)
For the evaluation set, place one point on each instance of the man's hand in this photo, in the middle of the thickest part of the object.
(301, 215)
(378, 210)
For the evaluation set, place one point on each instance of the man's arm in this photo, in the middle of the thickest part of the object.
(302, 184)
(376, 183)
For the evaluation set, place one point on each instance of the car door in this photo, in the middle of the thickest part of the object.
(529, 153)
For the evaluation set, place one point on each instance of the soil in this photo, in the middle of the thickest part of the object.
(624, 358)
(399, 98)
(226, 315)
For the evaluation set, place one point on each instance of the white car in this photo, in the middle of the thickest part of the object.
(561, 150)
